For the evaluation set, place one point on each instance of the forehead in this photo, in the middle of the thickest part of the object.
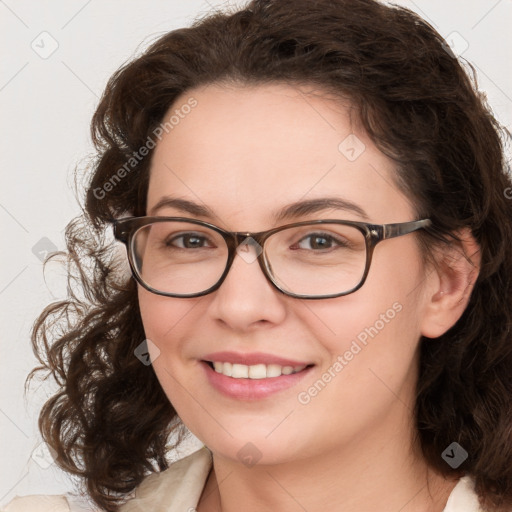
(246, 150)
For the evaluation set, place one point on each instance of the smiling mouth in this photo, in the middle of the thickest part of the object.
(256, 371)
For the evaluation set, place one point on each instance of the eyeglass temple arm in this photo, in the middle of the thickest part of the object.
(403, 228)
(120, 230)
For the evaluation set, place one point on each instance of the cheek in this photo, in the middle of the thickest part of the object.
(162, 317)
(370, 369)
(380, 334)
(388, 301)
(165, 321)
(378, 327)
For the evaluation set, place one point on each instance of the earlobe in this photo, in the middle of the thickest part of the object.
(452, 281)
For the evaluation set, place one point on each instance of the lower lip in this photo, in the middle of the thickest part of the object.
(251, 389)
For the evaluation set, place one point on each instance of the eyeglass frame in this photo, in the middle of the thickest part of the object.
(125, 229)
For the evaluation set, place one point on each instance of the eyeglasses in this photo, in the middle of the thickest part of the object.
(321, 259)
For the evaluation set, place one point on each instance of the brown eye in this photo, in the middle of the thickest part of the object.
(318, 241)
(188, 241)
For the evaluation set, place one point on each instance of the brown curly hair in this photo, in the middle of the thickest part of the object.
(110, 422)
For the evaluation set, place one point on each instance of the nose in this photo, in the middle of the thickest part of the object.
(246, 300)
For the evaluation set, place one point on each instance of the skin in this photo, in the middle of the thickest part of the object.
(244, 152)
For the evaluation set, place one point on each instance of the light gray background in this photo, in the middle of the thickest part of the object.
(46, 106)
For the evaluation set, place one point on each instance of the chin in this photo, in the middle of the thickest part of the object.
(254, 447)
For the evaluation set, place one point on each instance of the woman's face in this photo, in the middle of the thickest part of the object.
(246, 153)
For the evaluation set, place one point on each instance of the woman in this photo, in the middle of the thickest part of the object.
(317, 217)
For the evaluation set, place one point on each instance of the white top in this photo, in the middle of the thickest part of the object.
(179, 488)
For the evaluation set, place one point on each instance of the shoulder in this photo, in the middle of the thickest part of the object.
(179, 487)
(38, 503)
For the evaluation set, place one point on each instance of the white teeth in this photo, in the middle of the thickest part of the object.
(240, 371)
(273, 370)
(227, 369)
(256, 371)
(287, 370)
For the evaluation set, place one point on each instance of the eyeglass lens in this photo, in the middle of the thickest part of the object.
(184, 258)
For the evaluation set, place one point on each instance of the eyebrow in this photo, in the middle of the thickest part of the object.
(288, 212)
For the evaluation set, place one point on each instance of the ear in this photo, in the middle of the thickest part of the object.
(452, 279)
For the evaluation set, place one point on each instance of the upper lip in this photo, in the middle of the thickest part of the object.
(253, 358)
